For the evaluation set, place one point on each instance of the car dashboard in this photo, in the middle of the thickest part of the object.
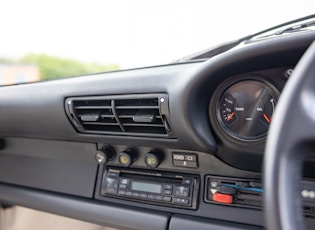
(178, 146)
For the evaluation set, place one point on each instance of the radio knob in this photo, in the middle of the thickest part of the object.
(125, 159)
(152, 160)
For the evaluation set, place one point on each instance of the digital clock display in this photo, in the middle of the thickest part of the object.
(146, 187)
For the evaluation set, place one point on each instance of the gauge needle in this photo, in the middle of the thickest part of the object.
(267, 118)
(230, 116)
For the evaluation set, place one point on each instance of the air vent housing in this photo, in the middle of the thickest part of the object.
(135, 115)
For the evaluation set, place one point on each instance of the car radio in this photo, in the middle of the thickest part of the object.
(169, 189)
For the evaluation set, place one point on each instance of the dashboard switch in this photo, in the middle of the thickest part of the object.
(178, 157)
(255, 184)
(152, 160)
(223, 198)
(192, 158)
(185, 160)
(185, 164)
(226, 190)
(105, 154)
(125, 159)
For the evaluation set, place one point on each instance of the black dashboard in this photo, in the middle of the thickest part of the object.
(178, 146)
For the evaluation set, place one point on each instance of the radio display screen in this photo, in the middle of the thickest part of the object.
(146, 187)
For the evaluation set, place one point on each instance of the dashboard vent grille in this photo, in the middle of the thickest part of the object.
(144, 115)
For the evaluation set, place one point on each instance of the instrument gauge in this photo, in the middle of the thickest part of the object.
(245, 108)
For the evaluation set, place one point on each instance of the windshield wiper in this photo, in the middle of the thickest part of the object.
(295, 28)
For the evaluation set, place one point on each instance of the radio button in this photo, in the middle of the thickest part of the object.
(167, 192)
(136, 194)
(187, 181)
(158, 197)
(180, 201)
(113, 174)
(185, 201)
(128, 193)
(143, 195)
(167, 198)
(121, 193)
(168, 186)
(111, 185)
(123, 186)
(151, 197)
(182, 191)
(124, 181)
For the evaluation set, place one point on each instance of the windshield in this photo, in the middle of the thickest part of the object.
(43, 40)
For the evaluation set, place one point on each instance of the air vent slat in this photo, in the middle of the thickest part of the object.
(107, 116)
(142, 125)
(84, 102)
(99, 123)
(93, 107)
(131, 116)
(131, 121)
(102, 129)
(138, 102)
(92, 112)
(137, 115)
(137, 107)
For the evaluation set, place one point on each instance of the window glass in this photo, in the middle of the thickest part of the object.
(43, 40)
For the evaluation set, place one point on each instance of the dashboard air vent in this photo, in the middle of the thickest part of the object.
(138, 115)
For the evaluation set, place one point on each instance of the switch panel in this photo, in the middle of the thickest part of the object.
(249, 193)
(185, 160)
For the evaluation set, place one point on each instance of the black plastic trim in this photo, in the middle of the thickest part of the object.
(59, 166)
(102, 213)
(188, 222)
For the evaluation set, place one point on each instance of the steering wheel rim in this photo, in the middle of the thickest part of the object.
(291, 136)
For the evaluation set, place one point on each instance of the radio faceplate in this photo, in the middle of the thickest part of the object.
(167, 189)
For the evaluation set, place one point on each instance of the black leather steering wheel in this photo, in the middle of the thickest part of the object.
(291, 138)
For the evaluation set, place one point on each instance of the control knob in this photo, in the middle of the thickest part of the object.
(152, 160)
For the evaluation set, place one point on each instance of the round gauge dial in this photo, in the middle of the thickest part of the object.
(246, 108)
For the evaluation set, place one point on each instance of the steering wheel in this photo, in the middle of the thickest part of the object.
(291, 138)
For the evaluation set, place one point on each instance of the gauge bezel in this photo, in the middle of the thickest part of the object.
(215, 105)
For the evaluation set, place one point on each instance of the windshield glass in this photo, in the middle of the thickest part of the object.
(43, 40)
